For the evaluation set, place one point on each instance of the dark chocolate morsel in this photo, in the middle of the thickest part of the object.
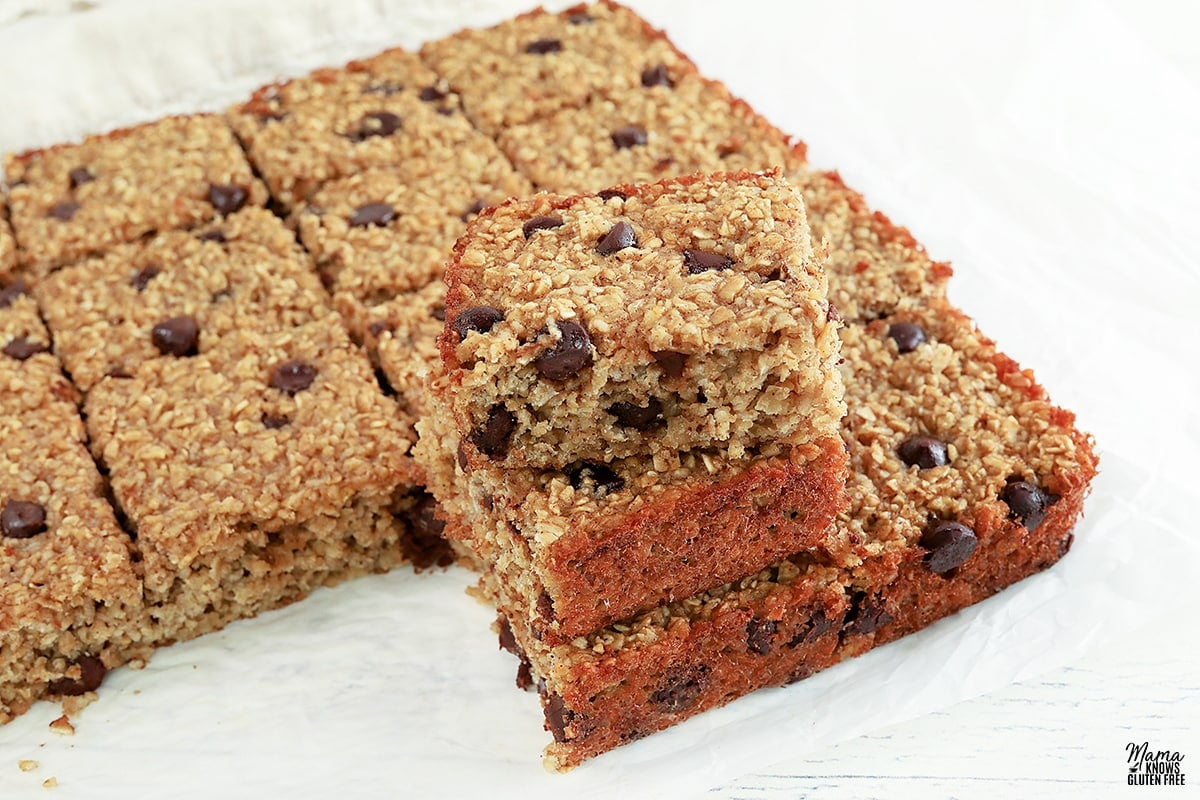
(619, 237)
(11, 292)
(657, 76)
(542, 223)
(571, 354)
(377, 123)
(379, 214)
(65, 210)
(543, 46)
(227, 198)
(1027, 503)
(908, 336)
(601, 478)
(91, 675)
(759, 635)
(924, 452)
(79, 176)
(681, 690)
(274, 421)
(698, 261)
(629, 136)
(22, 348)
(638, 417)
(293, 376)
(22, 519)
(493, 436)
(177, 336)
(480, 319)
(672, 363)
(949, 544)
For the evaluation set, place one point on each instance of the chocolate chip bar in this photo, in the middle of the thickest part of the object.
(254, 473)
(70, 598)
(654, 319)
(76, 200)
(387, 111)
(179, 294)
(538, 63)
(964, 480)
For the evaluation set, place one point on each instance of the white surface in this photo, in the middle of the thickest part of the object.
(1044, 149)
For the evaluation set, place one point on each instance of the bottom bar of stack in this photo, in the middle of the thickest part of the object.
(964, 480)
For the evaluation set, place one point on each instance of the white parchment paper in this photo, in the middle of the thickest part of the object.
(1042, 148)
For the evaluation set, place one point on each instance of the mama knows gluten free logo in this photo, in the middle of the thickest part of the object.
(1153, 767)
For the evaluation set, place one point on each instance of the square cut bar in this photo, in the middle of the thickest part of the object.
(387, 111)
(251, 483)
(538, 63)
(685, 314)
(379, 234)
(179, 294)
(70, 598)
(931, 538)
(76, 200)
(574, 550)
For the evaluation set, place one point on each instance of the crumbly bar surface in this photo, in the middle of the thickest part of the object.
(404, 333)
(250, 483)
(529, 67)
(381, 233)
(577, 549)
(1015, 474)
(679, 315)
(70, 599)
(388, 111)
(641, 135)
(76, 200)
(179, 294)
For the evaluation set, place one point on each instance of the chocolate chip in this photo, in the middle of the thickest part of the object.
(65, 210)
(79, 176)
(91, 675)
(657, 76)
(274, 421)
(867, 614)
(759, 635)
(293, 376)
(619, 237)
(460, 456)
(816, 627)
(543, 46)
(569, 355)
(476, 206)
(377, 123)
(480, 319)
(680, 691)
(1026, 503)
(423, 521)
(558, 716)
(524, 674)
(227, 198)
(432, 94)
(672, 363)
(212, 236)
(11, 292)
(545, 606)
(698, 261)
(908, 336)
(177, 336)
(579, 18)
(21, 348)
(22, 519)
(492, 437)
(924, 452)
(379, 214)
(600, 479)
(438, 312)
(543, 223)
(379, 327)
(831, 312)
(638, 417)
(949, 545)
(609, 194)
(629, 136)
(507, 640)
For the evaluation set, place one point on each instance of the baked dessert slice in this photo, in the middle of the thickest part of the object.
(964, 479)
(380, 234)
(70, 597)
(255, 473)
(179, 294)
(386, 111)
(653, 319)
(76, 200)
(537, 63)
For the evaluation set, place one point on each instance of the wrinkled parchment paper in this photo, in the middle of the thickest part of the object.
(1042, 148)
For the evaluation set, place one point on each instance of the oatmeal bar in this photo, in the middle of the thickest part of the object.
(387, 111)
(252, 483)
(381, 233)
(538, 63)
(404, 332)
(75, 200)
(679, 315)
(70, 600)
(965, 479)
(179, 294)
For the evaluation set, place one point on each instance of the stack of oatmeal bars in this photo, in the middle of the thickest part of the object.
(221, 337)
